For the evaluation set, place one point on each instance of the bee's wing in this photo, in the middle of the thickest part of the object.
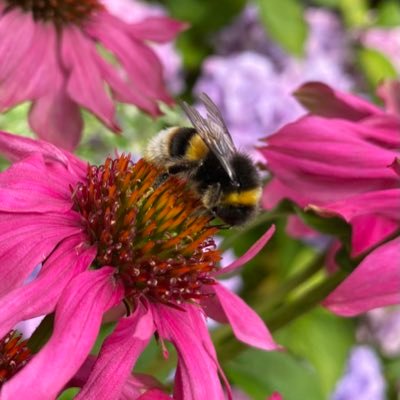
(213, 131)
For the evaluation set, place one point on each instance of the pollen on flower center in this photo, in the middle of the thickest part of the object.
(58, 11)
(154, 231)
(14, 354)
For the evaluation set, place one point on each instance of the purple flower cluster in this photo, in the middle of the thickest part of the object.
(363, 379)
(251, 79)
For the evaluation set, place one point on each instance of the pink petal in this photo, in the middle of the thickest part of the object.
(85, 83)
(32, 175)
(57, 119)
(154, 394)
(15, 148)
(298, 153)
(383, 203)
(124, 91)
(275, 191)
(77, 323)
(118, 355)
(275, 396)
(139, 60)
(374, 283)
(40, 296)
(368, 230)
(389, 92)
(29, 79)
(136, 384)
(26, 240)
(383, 130)
(157, 29)
(322, 100)
(14, 47)
(250, 254)
(246, 324)
(197, 373)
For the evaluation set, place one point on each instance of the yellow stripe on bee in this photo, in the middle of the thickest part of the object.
(197, 149)
(245, 197)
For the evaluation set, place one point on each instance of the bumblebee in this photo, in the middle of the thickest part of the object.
(226, 180)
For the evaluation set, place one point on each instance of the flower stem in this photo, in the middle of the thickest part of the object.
(228, 347)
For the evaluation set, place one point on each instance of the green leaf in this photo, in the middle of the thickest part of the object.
(388, 13)
(260, 373)
(376, 66)
(284, 22)
(355, 12)
(324, 340)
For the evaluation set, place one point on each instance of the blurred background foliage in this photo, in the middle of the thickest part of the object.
(317, 343)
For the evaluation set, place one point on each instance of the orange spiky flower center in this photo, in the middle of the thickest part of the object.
(154, 231)
(60, 12)
(14, 354)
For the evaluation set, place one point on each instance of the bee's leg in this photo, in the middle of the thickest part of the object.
(160, 180)
(212, 196)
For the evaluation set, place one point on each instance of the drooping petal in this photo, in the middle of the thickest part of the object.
(197, 373)
(383, 203)
(57, 119)
(156, 29)
(77, 323)
(374, 283)
(33, 75)
(154, 394)
(297, 155)
(18, 182)
(14, 47)
(368, 230)
(247, 326)
(85, 84)
(16, 148)
(321, 99)
(40, 296)
(140, 62)
(118, 355)
(251, 253)
(383, 130)
(26, 240)
(123, 90)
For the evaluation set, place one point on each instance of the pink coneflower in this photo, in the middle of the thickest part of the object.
(343, 160)
(50, 56)
(14, 354)
(105, 235)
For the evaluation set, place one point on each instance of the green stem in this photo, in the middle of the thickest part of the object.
(229, 347)
(279, 294)
(306, 302)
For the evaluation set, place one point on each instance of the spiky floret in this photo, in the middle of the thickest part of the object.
(14, 354)
(60, 12)
(152, 229)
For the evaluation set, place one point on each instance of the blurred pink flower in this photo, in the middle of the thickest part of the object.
(105, 236)
(343, 160)
(51, 57)
(134, 11)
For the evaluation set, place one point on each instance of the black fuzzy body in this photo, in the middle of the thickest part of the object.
(209, 178)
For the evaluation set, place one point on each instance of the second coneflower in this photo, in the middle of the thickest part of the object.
(108, 235)
(50, 56)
